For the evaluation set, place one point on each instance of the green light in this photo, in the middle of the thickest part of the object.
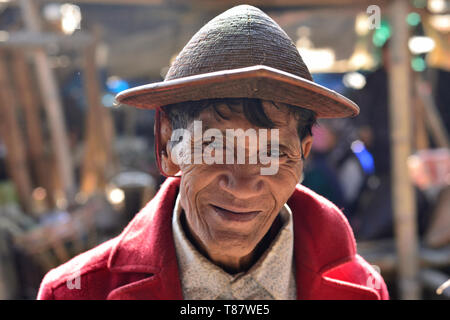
(378, 40)
(418, 64)
(381, 34)
(413, 19)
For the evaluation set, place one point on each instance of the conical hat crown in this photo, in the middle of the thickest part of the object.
(242, 36)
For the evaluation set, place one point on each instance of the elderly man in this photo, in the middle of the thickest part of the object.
(233, 128)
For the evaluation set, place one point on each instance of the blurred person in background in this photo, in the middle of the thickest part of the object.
(321, 172)
(372, 216)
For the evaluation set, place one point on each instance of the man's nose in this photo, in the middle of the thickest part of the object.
(243, 181)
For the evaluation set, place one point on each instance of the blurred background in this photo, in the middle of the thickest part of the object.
(75, 168)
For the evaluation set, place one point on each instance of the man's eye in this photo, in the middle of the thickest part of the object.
(212, 144)
(209, 143)
(276, 153)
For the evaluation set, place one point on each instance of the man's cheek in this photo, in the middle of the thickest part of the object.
(287, 175)
(186, 169)
(193, 186)
(283, 184)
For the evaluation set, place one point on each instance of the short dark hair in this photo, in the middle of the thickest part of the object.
(183, 113)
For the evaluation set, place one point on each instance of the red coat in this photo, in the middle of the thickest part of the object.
(141, 262)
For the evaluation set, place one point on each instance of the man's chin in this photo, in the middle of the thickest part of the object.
(234, 246)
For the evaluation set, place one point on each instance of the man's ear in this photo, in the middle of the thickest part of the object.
(306, 145)
(165, 132)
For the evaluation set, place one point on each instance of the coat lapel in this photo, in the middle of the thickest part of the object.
(323, 241)
(147, 248)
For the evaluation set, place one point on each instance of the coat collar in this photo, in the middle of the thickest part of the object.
(146, 246)
(323, 241)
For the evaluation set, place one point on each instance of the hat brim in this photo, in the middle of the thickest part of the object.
(250, 82)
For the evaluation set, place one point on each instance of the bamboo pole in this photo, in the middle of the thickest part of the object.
(98, 132)
(13, 139)
(29, 102)
(436, 281)
(400, 111)
(52, 102)
(28, 40)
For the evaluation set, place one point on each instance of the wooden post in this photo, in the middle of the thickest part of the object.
(12, 136)
(400, 112)
(52, 101)
(98, 132)
(29, 102)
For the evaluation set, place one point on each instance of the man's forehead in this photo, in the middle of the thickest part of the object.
(223, 112)
(233, 119)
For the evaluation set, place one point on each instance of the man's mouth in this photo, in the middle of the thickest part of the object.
(235, 214)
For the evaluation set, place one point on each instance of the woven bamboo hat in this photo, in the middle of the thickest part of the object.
(240, 53)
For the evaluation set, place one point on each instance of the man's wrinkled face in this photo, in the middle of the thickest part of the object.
(230, 207)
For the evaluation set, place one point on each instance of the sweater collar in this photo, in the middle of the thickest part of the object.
(201, 279)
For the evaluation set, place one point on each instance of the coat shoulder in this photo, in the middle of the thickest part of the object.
(69, 277)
